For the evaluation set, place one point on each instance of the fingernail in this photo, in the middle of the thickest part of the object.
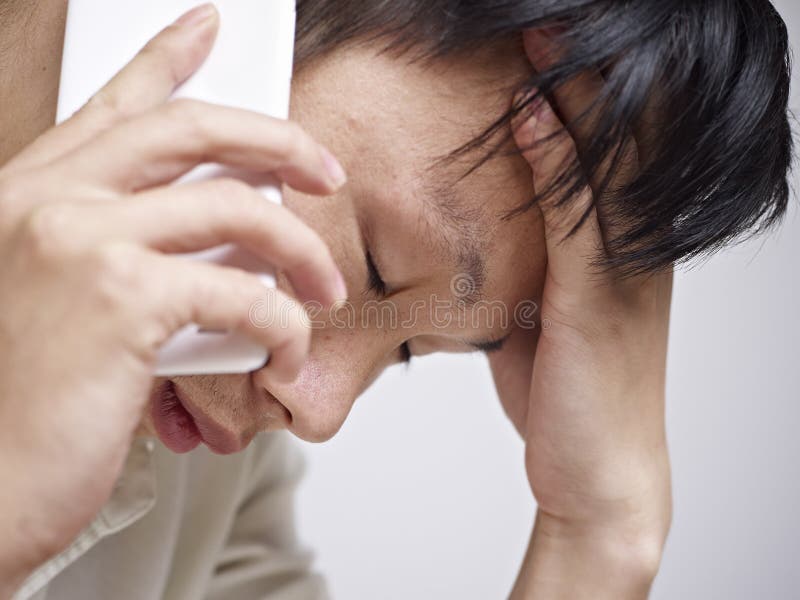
(333, 167)
(197, 15)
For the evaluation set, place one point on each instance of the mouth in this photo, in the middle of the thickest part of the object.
(182, 427)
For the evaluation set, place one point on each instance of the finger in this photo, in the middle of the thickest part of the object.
(580, 102)
(549, 149)
(202, 215)
(166, 143)
(579, 96)
(181, 293)
(576, 99)
(147, 81)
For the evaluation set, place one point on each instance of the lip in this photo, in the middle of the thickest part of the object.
(181, 426)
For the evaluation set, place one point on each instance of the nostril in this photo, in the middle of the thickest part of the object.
(275, 410)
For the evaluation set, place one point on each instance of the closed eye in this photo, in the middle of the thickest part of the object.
(490, 346)
(405, 353)
(375, 282)
(377, 286)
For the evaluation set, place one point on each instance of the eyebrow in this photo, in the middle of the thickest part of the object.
(465, 242)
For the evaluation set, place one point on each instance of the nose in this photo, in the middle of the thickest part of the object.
(341, 365)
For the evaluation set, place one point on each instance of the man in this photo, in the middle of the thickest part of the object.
(653, 172)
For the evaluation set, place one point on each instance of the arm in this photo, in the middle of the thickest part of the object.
(596, 565)
(586, 389)
(90, 289)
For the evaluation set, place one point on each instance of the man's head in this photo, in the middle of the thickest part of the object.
(438, 233)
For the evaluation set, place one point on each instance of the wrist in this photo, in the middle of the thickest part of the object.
(575, 561)
(631, 550)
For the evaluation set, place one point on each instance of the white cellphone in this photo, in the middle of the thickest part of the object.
(250, 67)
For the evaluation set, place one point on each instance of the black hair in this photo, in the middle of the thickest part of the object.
(718, 159)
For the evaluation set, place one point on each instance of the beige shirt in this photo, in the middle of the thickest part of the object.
(186, 527)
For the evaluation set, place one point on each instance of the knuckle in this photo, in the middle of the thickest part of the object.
(297, 329)
(115, 275)
(304, 245)
(294, 130)
(292, 338)
(106, 107)
(8, 190)
(312, 253)
(294, 142)
(563, 214)
(187, 114)
(234, 201)
(154, 48)
(119, 290)
(319, 249)
(236, 190)
(183, 106)
(297, 336)
(159, 52)
(46, 231)
(289, 321)
(155, 51)
(9, 198)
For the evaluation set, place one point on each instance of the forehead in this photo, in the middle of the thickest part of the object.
(394, 120)
(439, 103)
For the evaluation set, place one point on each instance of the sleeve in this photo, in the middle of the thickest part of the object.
(263, 558)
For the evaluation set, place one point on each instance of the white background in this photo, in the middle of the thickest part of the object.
(423, 494)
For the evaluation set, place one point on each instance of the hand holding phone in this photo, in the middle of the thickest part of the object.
(89, 293)
(250, 67)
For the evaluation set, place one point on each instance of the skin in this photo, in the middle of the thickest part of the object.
(586, 392)
(389, 149)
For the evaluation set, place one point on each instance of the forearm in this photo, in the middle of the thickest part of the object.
(565, 563)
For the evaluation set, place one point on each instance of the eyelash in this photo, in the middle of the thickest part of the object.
(378, 286)
(405, 353)
(376, 282)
